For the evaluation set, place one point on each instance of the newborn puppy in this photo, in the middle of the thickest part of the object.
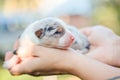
(50, 32)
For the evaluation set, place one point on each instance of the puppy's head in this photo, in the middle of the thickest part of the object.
(51, 32)
(48, 32)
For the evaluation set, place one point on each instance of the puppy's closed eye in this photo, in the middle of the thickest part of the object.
(59, 31)
(50, 28)
(39, 32)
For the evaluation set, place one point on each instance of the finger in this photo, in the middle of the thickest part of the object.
(24, 51)
(8, 55)
(47, 73)
(102, 28)
(86, 31)
(25, 67)
(16, 45)
(40, 50)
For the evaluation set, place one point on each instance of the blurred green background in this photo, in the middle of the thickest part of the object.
(15, 15)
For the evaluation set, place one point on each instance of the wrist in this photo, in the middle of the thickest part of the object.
(67, 62)
(116, 50)
(70, 63)
(115, 41)
(118, 41)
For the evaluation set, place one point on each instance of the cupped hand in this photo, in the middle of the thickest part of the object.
(43, 61)
(105, 47)
(105, 44)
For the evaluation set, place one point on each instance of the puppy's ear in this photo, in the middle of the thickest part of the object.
(39, 32)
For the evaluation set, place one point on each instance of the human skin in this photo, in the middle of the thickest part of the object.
(98, 64)
(105, 45)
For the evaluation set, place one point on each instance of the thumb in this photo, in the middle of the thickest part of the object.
(25, 67)
(86, 31)
(8, 55)
(16, 45)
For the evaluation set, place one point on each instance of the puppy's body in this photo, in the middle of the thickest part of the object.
(50, 32)
(53, 32)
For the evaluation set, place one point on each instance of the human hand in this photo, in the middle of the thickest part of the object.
(105, 45)
(43, 61)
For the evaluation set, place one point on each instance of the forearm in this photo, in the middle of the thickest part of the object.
(91, 69)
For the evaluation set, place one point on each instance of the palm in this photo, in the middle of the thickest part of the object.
(104, 46)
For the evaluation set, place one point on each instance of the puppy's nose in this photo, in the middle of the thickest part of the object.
(72, 38)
